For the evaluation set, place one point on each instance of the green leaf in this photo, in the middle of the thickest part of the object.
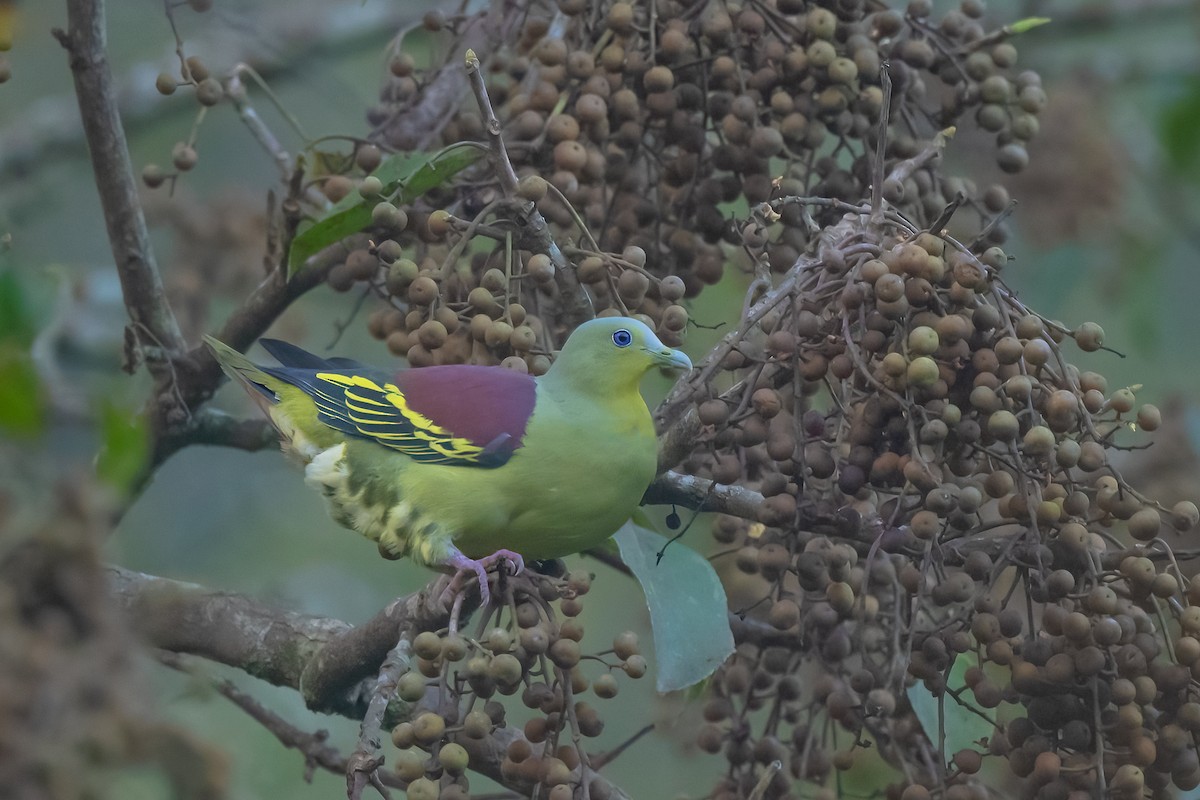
(1178, 132)
(405, 177)
(333, 227)
(21, 410)
(964, 728)
(688, 609)
(15, 320)
(1027, 24)
(445, 164)
(124, 449)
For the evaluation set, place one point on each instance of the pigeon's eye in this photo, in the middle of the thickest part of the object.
(622, 338)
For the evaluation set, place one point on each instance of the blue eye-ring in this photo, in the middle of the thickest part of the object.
(622, 338)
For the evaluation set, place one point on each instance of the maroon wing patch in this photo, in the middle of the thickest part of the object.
(489, 406)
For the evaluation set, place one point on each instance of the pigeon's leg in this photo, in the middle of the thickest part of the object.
(478, 567)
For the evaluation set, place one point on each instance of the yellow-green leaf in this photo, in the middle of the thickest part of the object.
(328, 162)
(1027, 24)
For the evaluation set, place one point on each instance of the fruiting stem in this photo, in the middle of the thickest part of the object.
(885, 110)
(564, 679)
(668, 411)
(576, 304)
(606, 758)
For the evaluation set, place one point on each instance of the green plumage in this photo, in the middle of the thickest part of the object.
(587, 454)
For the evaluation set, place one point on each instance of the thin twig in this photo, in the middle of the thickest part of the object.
(603, 759)
(903, 170)
(986, 230)
(673, 405)
(943, 219)
(235, 90)
(498, 154)
(313, 746)
(885, 111)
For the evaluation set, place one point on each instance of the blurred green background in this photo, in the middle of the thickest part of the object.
(1108, 229)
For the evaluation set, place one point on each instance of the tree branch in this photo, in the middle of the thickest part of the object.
(497, 152)
(676, 488)
(229, 628)
(332, 664)
(154, 324)
(198, 375)
(185, 378)
(213, 427)
(416, 126)
(362, 770)
(264, 305)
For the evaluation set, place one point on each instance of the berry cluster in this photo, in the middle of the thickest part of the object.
(528, 649)
(938, 484)
(634, 138)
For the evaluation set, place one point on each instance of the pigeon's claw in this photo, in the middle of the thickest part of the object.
(465, 568)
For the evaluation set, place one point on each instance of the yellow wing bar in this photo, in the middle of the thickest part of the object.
(382, 413)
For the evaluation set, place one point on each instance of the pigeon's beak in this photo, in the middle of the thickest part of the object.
(675, 360)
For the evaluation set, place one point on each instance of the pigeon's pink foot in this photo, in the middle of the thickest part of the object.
(466, 567)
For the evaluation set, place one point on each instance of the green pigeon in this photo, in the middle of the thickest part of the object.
(461, 466)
